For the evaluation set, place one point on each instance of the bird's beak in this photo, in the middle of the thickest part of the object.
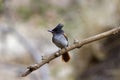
(50, 31)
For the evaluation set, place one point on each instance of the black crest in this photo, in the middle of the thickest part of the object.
(58, 28)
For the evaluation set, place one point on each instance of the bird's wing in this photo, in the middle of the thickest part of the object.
(65, 36)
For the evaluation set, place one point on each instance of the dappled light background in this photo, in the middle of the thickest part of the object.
(24, 39)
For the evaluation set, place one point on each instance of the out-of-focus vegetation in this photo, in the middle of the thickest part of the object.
(36, 7)
(1, 6)
(24, 38)
(24, 12)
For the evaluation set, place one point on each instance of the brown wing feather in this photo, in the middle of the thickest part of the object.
(65, 36)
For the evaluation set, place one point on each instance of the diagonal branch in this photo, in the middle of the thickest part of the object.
(69, 48)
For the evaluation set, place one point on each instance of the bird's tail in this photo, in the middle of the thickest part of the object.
(65, 57)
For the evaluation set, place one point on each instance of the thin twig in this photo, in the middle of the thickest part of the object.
(69, 48)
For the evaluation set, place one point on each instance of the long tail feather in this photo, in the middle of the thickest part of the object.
(65, 57)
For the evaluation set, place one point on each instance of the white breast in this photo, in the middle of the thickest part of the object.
(60, 41)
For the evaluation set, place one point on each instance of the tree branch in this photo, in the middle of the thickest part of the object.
(69, 48)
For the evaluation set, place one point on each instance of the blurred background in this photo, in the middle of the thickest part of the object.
(24, 39)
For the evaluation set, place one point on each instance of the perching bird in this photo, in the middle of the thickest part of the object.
(60, 40)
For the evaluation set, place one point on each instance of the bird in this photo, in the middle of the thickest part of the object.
(60, 40)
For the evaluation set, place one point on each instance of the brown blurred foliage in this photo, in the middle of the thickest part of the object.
(107, 69)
